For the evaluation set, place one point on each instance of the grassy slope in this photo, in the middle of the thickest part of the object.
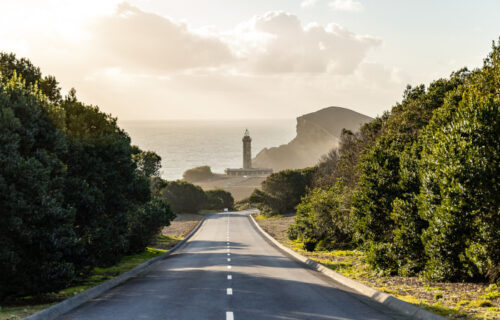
(453, 300)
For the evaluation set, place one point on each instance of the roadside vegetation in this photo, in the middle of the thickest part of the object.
(185, 197)
(415, 192)
(454, 300)
(282, 191)
(78, 202)
(74, 193)
(16, 308)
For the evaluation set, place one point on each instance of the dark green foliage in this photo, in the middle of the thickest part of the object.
(147, 222)
(421, 182)
(384, 206)
(31, 75)
(198, 174)
(37, 239)
(102, 184)
(334, 180)
(184, 197)
(282, 191)
(323, 217)
(73, 192)
(148, 163)
(460, 194)
(219, 199)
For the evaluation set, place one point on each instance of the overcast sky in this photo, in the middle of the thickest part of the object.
(194, 59)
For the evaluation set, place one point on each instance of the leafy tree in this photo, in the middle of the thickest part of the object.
(334, 180)
(384, 206)
(31, 75)
(37, 240)
(219, 199)
(282, 191)
(73, 192)
(148, 162)
(184, 197)
(322, 218)
(102, 183)
(460, 193)
(147, 222)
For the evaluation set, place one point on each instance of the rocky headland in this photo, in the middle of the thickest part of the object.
(317, 133)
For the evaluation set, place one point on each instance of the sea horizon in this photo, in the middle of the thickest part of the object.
(185, 144)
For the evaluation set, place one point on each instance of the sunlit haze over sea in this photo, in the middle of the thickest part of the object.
(185, 144)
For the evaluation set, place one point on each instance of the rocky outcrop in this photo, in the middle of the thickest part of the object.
(317, 133)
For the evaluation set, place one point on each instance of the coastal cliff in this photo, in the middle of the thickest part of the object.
(317, 133)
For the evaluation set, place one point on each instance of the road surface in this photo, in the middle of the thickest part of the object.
(227, 270)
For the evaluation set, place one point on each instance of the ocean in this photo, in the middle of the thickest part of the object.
(185, 144)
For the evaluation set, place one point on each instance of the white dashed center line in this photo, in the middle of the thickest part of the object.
(229, 291)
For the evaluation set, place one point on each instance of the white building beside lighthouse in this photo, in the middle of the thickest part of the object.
(247, 169)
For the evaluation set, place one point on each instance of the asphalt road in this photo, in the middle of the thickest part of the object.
(227, 270)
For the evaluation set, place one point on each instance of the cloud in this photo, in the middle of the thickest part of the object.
(346, 5)
(137, 64)
(308, 3)
(286, 46)
(151, 43)
(273, 43)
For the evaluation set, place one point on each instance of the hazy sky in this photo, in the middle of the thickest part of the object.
(194, 59)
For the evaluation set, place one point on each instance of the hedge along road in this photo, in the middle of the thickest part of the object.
(227, 270)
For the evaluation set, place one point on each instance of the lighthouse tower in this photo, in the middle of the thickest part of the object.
(247, 169)
(247, 150)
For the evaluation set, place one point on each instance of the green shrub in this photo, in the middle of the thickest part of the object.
(147, 222)
(73, 191)
(322, 216)
(37, 240)
(292, 232)
(459, 195)
(309, 244)
(184, 197)
(282, 191)
(218, 200)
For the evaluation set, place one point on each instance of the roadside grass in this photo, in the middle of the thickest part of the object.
(165, 242)
(21, 307)
(470, 301)
(263, 217)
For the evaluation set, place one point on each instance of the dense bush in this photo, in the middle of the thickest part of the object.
(197, 174)
(146, 223)
(184, 197)
(282, 191)
(460, 194)
(219, 199)
(74, 193)
(334, 182)
(323, 219)
(37, 240)
(421, 182)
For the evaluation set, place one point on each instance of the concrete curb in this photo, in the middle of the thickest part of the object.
(72, 303)
(385, 299)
